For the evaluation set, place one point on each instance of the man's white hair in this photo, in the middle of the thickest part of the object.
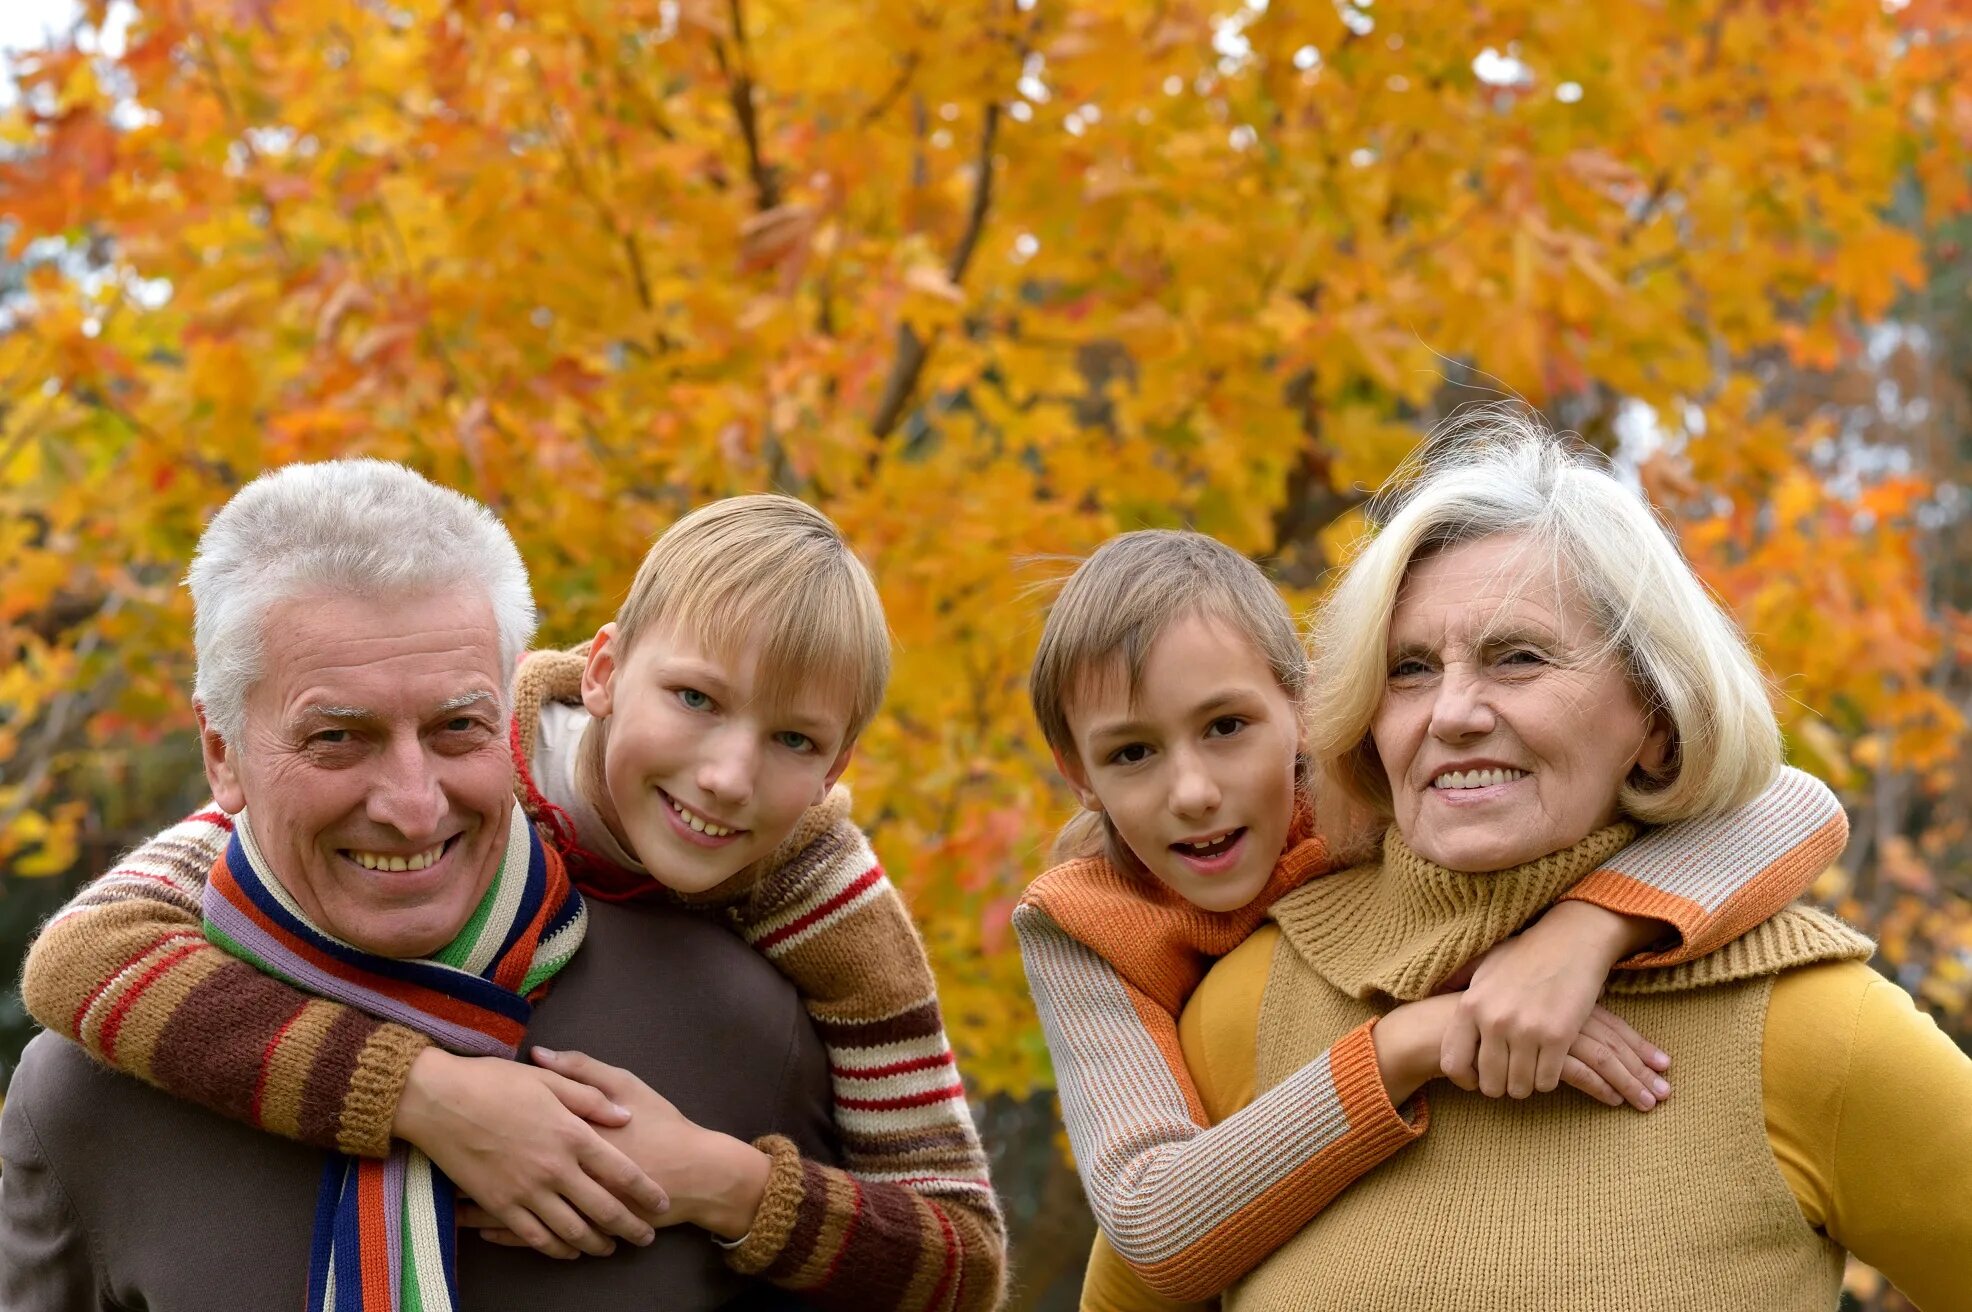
(1498, 470)
(356, 528)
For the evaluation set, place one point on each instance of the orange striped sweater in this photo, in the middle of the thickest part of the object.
(1111, 959)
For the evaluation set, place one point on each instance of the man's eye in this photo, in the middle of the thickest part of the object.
(329, 737)
(1225, 726)
(1129, 754)
(796, 742)
(694, 700)
(461, 724)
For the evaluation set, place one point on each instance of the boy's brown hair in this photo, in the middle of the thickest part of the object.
(1117, 604)
(771, 569)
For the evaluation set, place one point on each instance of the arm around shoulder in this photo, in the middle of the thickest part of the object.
(1869, 1107)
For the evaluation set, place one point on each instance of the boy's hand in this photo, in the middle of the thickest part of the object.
(1529, 1003)
(522, 1143)
(714, 1181)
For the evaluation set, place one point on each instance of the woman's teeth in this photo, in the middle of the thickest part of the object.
(1476, 778)
(699, 823)
(385, 861)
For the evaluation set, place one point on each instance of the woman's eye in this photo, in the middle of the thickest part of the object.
(1225, 726)
(1129, 754)
(1521, 657)
(796, 742)
(1409, 669)
(694, 700)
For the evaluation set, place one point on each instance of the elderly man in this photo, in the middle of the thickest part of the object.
(355, 630)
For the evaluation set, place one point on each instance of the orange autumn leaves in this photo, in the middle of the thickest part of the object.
(989, 281)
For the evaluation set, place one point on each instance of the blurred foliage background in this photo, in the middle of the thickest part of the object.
(990, 280)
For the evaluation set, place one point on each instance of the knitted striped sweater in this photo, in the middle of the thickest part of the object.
(1111, 960)
(912, 1223)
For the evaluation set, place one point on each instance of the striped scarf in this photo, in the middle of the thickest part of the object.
(383, 1239)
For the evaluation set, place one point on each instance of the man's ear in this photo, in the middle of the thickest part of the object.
(599, 675)
(840, 764)
(1071, 769)
(221, 770)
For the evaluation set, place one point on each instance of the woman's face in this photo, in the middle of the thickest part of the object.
(1506, 726)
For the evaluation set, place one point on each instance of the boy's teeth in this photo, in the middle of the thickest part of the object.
(387, 862)
(699, 823)
(1476, 778)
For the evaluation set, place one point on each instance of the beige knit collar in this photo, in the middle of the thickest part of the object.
(1399, 927)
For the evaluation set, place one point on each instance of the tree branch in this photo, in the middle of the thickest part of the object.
(912, 350)
(739, 79)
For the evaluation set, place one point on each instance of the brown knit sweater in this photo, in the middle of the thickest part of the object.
(912, 1223)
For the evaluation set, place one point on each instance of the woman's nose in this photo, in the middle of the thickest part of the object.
(1461, 711)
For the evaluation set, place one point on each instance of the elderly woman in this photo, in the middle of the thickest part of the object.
(1518, 672)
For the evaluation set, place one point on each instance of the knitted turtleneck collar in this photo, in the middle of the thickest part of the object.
(1400, 927)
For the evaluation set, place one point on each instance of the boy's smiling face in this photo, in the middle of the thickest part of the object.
(704, 777)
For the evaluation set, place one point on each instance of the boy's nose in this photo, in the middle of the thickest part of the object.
(727, 774)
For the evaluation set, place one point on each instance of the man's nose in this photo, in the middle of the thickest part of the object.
(408, 795)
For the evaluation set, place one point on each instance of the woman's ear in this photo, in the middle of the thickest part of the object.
(1655, 756)
(599, 674)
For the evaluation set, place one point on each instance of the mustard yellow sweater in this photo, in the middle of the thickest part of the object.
(1868, 1110)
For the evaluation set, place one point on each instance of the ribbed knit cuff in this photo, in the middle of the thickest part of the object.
(779, 1206)
(1359, 1082)
(369, 1105)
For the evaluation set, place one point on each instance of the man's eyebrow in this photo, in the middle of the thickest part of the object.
(464, 700)
(339, 712)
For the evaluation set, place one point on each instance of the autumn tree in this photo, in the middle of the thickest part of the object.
(988, 281)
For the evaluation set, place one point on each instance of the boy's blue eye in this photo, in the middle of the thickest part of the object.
(694, 700)
(799, 742)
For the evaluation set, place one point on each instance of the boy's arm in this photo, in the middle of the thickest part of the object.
(1192, 1209)
(1710, 880)
(912, 1221)
(125, 970)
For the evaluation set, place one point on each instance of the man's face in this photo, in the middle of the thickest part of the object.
(375, 764)
(703, 777)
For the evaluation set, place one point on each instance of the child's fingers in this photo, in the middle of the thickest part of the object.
(494, 1234)
(605, 1211)
(571, 1227)
(1493, 1059)
(612, 1080)
(1627, 1045)
(609, 1167)
(1522, 1062)
(527, 1228)
(1578, 1074)
(1599, 1056)
(587, 1101)
(1458, 1053)
(1653, 1056)
(1547, 1069)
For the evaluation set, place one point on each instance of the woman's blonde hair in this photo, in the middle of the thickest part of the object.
(1499, 470)
(769, 569)
(1115, 606)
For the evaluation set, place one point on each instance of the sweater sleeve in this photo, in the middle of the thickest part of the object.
(912, 1222)
(125, 971)
(1712, 879)
(1193, 1209)
(1869, 1110)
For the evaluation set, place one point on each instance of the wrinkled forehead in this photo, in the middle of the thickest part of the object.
(386, 653)
(1470, 590)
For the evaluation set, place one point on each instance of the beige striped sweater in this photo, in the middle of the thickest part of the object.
(1111, 959)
